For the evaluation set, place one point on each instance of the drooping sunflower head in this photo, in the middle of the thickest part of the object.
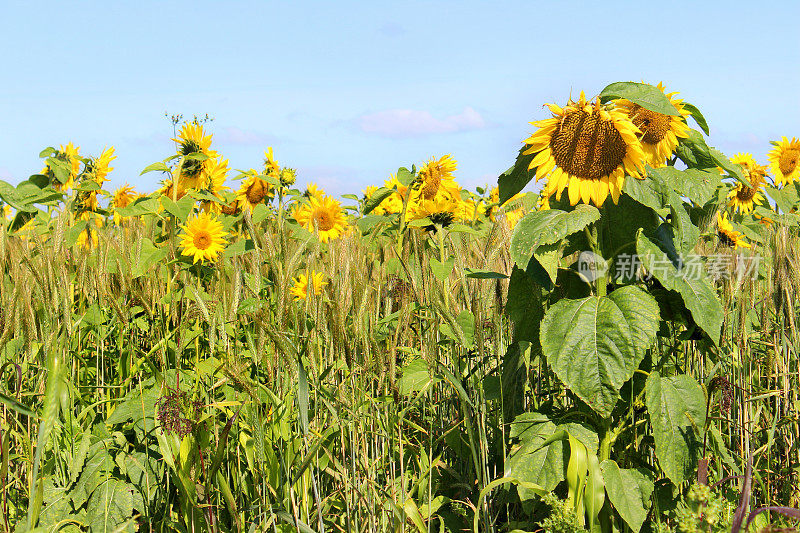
(323, 215)
(68, 154)
(727, 235)
(215, 173)
(436, 174)
(660, 132)
(586, 148)
(203, 238)
(89, 238)
(300, 287)
(442, 210)
(253, 191)
(192, 139)
(784, 161)
(271, 167)
(123, 197)
(743, 198)
(101, 166)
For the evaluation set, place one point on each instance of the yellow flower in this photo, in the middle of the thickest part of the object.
(785, 161)
(174, 193)
(436, 174)
(88, 238)
(68, 153)
(123, 197)
(323, 215)
(271, 167)
(743, 198)
(7, 212)
(442, 210)
(253, 191)
(313, 191)
(215, 174)
(204, 238)
(193, 140)
(300, 288)
(102, 166)
(727, 235)
(587, 149)
(659, 132)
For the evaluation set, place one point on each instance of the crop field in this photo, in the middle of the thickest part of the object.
(605, 339)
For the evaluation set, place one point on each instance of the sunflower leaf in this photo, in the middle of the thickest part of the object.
(648, 96)
(629, 490)
(697, 116)
(660, 258)
(595, 344)
(381, 194)
(160, 167)
(676, 406)
(517, 177)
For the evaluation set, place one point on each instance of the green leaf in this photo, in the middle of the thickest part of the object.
(629, 491)
(377, 197)
(110, 507)
(139, 207)
(405, 176)
(149, 255)
(14, 405)
(160, 167)
(646, 95)
(517, 177)
(697, 116)
(442, 270)
(677, 405)
(531, 462)
(651, 191)
(595, 344)
(697, 185)
(690, 281)
(524, 306)
(415, 378)
(180, 209)
(239, 247)
(483, 274)
(548, 227)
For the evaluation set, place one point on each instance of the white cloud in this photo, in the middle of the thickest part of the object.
(398, 123)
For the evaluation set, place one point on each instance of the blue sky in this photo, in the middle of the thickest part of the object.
(346, 92)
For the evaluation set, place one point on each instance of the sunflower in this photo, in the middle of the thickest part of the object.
(435, 175)
(442, 210)
(313, 191)
(323, 214)
(743, 198)
(88, 238)
(203, 237)
(727, 235)
(101, 166)
(586, 148)
(253, 191)
(193, 140)
(170, 191)
(393, 203)
(215, 174)
(660, 132)
(123, 197)
(7, 212)
(543, 203)
(300, 288)
(271, 167)
(68, 153)
(785, 161)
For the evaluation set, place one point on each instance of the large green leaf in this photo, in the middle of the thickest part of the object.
(697, 116)
(677, 406)
(688, 278)
(651, 192)
(381, 194)
(517, 177)
(524, 307)
(697, 185)
(629, 491)
(646, 95)
(595, 344)
(110, 507)
(531, 461)
(548, 227)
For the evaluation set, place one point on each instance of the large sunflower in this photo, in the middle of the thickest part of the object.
(193, 140)
(253, 191)
(785, 161)
(727, 235)
(743, 198)
(587, 148)
(300, 287)
(436, 174)
(323, 215)
(101, 165)
(203, 237)
(659, 132)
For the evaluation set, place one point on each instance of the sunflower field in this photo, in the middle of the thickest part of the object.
(234, 352)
